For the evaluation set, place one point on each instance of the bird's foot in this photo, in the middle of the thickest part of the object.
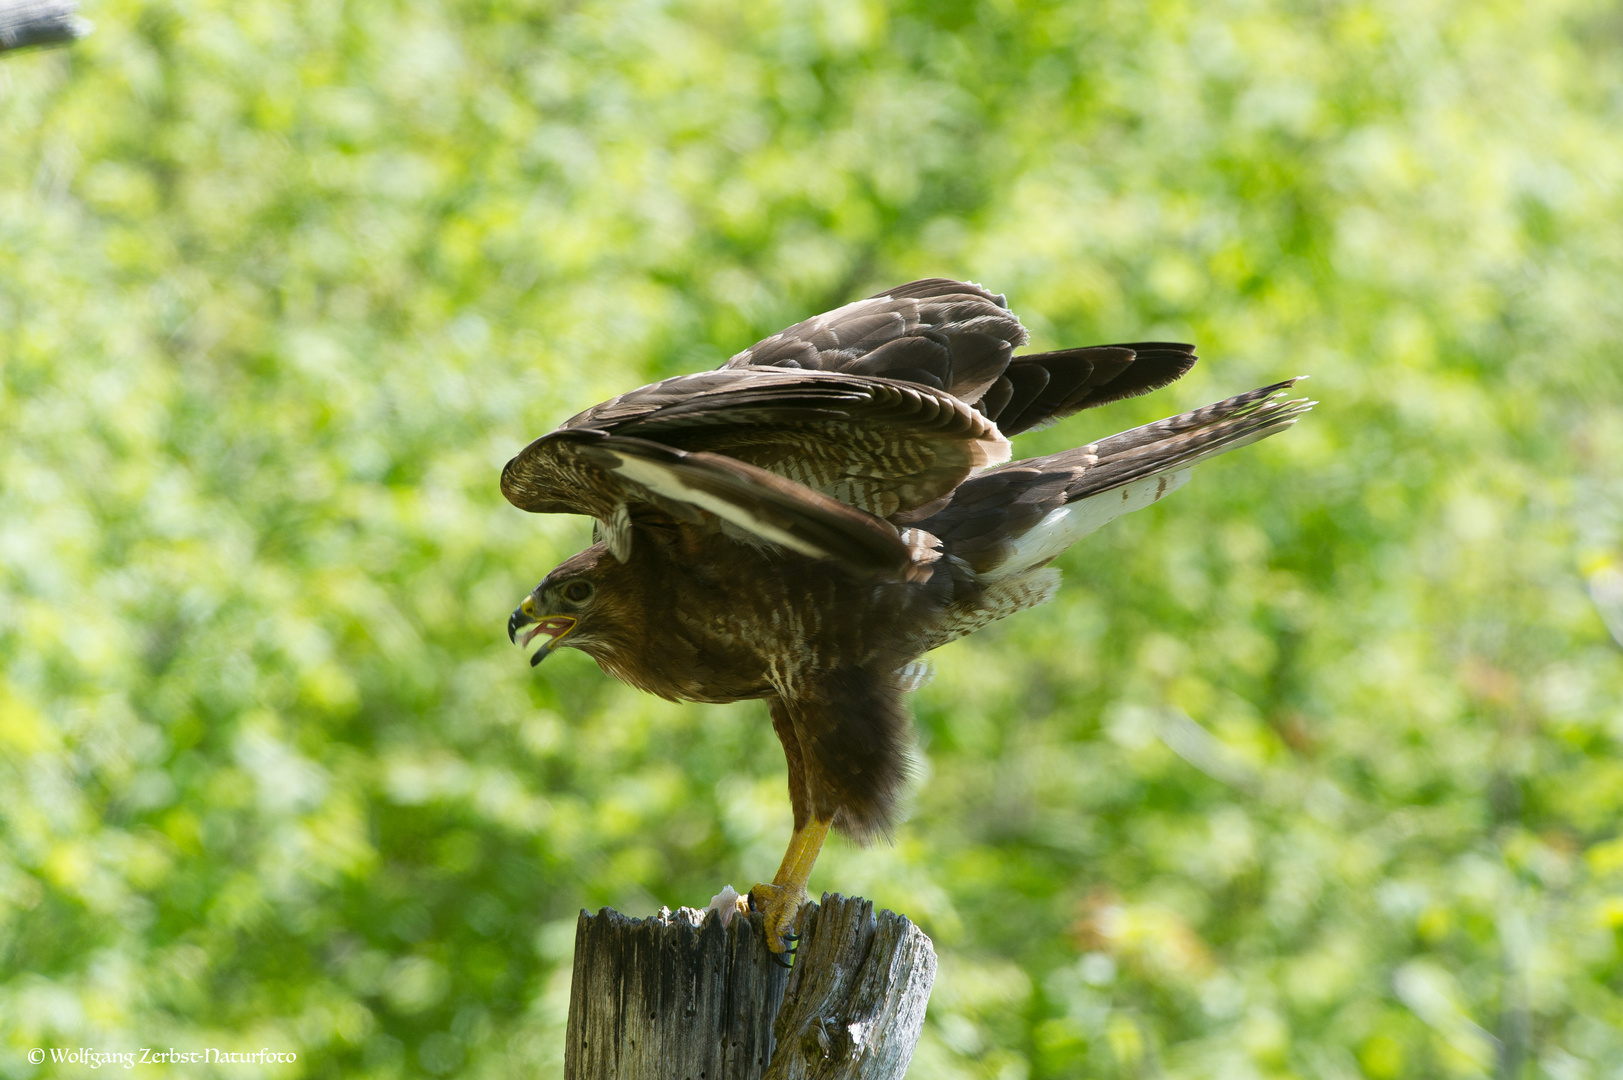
(780, 904)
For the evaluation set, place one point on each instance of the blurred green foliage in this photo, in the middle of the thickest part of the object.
(1311, 771)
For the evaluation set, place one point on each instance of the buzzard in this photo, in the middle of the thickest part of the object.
(801, 524)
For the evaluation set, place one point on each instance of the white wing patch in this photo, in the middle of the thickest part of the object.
(1065, 526)
(662, 480)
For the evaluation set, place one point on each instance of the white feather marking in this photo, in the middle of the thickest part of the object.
(616, 533)
(993, 449)
(911, 676)
(1063, 527)
(664, 481)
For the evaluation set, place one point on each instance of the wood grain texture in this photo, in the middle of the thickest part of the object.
(678, 997)
(856, 997)
(671, 997)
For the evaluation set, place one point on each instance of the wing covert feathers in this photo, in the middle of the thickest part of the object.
(948, 335)
(879, 445)
(750, 503)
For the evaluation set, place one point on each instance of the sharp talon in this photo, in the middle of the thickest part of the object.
(781, 959)
(790, 938)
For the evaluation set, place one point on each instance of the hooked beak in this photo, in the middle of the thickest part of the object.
(556, 627)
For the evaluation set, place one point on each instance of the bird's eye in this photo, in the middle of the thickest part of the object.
(578, 591)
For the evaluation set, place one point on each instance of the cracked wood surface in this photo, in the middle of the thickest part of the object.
(679, 997)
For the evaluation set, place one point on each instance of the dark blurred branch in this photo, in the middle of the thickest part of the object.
(39, 22)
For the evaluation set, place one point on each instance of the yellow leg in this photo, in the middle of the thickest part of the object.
(781, 900)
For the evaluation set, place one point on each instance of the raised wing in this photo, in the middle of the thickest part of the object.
(879, 445)
(878, 410)
(958, 337)
(947, 335)
(585, 471)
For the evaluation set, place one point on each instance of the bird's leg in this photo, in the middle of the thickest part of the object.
(781, 900)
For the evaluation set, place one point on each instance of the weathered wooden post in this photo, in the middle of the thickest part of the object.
(680, 997)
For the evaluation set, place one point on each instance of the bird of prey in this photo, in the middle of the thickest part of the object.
(801, 524)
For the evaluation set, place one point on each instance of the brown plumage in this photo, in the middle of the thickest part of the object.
(801, 524)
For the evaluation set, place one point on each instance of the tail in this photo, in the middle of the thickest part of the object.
(1183, 440)
(1021, 515)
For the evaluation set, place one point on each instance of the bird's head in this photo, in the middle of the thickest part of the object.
(573, 607)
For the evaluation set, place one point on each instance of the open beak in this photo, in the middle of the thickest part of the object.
(555, 627)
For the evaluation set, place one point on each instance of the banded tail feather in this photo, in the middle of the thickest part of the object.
(1022, 515)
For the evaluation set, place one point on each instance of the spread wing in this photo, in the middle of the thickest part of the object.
(585, 471)
(878, 445)
(958, 337)
(821, 436)
(810, 461)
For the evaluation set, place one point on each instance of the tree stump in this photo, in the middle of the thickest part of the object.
(680, 997)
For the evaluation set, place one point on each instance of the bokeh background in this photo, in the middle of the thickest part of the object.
(1312, 770)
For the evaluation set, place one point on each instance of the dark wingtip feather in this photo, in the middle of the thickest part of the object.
(1155, 364)
(1094, 375)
